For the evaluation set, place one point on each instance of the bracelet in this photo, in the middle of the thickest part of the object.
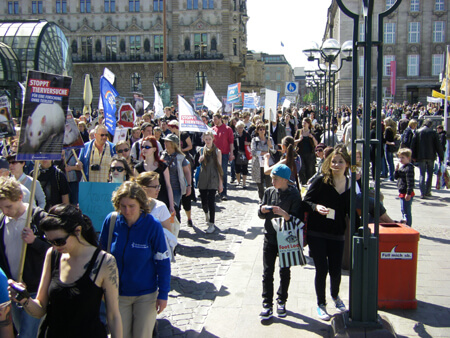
(188, 185)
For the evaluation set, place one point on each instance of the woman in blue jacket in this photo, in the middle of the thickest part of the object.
(137, 242)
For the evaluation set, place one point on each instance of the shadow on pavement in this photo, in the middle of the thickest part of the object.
(435, 239)
(195, 290)
(309, 324)
(165, 329)
(201, 251)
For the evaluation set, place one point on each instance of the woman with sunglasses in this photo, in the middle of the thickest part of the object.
(123, 149)
(75, 277)
(138, 243)
(152, 162)
(261, 145)
(119, 171)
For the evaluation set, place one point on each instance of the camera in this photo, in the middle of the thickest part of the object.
(21, 291)
(95, 167)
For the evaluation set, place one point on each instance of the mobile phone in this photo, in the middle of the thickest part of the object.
(21, 291)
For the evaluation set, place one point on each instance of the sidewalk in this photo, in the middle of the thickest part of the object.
(235, 312)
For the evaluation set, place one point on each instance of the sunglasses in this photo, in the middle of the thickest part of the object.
(146, 147)
(103, 135)
(154, 186)
(123, 150)
(119, 169)
(58, 241)
(13, 162)
(262, 129)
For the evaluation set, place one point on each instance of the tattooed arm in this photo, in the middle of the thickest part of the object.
(6, 326)
(110, 285)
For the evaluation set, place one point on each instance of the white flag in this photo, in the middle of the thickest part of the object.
(210, 99)
(158, 105)
(189, 120)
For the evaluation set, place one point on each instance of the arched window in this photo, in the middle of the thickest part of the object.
(158, 80)
(200, 80)
(98, 46)
(187, 45)
(147, 45)
(74, 47)
(213, 44)
(136, 85)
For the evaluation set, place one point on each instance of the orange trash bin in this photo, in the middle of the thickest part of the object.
(397, 266)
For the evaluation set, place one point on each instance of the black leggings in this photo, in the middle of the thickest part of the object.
(327, 256)
(209, 203)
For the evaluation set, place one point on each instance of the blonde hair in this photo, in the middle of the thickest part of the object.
(131, 190)
(146, 177)
(10, 189)
(405, 152)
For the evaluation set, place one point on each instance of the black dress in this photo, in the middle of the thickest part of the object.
(73, 309)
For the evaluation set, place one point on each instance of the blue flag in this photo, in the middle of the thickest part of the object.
(108, 94)
(282, 44)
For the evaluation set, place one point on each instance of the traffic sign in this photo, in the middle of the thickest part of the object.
(291, 88)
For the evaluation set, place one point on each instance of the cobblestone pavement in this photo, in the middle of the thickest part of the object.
(203, 260)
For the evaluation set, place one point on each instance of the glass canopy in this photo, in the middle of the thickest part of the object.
(39, 45)
(9, 64)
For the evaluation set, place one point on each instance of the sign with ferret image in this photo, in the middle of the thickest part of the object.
(44, 116)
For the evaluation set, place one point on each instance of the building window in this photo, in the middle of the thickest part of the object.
(36, 7)
(361, 66)
(278, 76)
(213, 44)
(362, 33)
(439, 5)
(159, 46)
(413, 65)
(61, 6)
(414, 6)
(135, 47)
(414, 32)
(387, 64)
(235, 47)
(136, 85)
(133, 6)
(438, 31)
(208, 4)
(85, 6)
(200, 80)
(200, 45)
(86, 48)
(389, 3)
(111, 48)
(158, 5)
(158, 80)
(13, 7)
(192, 4)
(110, 6)
(278, 88)
(437, 64)
(389, 33)
(267, 76)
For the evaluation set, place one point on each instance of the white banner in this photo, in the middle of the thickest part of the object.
(286, 103)
(158, 105)
(210, 99)
(270, 110)
(189, 120)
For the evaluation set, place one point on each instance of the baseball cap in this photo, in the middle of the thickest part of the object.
(172, 138)
(283, 171)
(4, 164)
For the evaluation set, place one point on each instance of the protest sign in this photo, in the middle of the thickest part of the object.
(44, 116)
(199, 98)
(72, 136)
(233, 93)
(270, 109)
(95, 201)
(6, 122)
(127, 115)
(120, 135)
(189, 120)
(250, 100)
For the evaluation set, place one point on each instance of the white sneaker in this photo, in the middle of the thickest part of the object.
(339, 304)
(211, 228)
(322, 312)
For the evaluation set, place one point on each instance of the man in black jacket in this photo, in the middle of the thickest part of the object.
(425, 145)
(13, 233)
(281, 200)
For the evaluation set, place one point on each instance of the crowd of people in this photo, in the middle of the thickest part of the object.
(159, 167)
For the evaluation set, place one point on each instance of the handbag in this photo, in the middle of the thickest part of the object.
(241, 158)
(290, 241)
(248, 152)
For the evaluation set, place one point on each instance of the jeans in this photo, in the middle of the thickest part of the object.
(209, 203)
(384, 167)
(225, 158)
(270, 253)
(390, 161)
(26, 325)
(177, 197)
(425, 167)
(406, 210)
(327, 255)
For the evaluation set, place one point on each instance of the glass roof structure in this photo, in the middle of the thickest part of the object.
(38, 45)
(9, 64)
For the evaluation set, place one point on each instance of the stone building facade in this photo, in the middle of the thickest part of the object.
(415, 36)
(206, 41)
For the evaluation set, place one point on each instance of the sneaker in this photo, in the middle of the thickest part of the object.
(281, 310)
(322, 312)
(189, 223)
(224, 198)
(266, 313)
(211, 228)
(339, 304)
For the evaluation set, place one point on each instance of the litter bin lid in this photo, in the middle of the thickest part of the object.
(396, 232)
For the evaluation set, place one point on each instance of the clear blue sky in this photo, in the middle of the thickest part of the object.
(293, 22)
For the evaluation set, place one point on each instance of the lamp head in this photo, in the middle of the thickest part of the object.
(347, 49)
(312, 52)
(331, 48)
